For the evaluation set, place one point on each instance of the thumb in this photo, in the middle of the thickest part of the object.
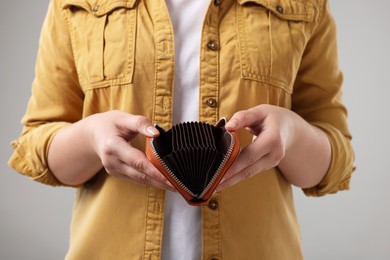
(245, 119)
(142, 125)
(239, 120)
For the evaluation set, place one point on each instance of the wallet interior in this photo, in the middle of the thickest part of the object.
(194, 157)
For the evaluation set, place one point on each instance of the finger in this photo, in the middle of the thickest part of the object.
(262, 154)
(145, 179)
(140, 124)
(261, 165)
(164, 186)
(245, 118)
(118, 168)
(245, 169)
(117, 151)
(137, 160)
(128, 173)
(248, 156)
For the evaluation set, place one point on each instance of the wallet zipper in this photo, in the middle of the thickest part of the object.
(227, 155)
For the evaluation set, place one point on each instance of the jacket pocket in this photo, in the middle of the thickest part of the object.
(103, 39)
(272, 38)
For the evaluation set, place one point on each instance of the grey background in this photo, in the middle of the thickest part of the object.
(34, 218)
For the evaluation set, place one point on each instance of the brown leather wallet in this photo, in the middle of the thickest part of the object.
(194, 156)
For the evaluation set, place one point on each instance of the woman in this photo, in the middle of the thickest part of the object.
(107, 71)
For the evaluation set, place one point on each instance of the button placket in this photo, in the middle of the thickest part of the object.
(164, 70)
(209, 71)
(211, 224)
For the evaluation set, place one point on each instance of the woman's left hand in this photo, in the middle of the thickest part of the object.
(277, 135)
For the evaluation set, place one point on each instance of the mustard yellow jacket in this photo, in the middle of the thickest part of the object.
(99, 55)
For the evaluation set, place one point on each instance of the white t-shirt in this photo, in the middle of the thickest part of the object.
(182, 222)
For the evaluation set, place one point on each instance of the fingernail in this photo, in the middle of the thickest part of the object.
(152, 130)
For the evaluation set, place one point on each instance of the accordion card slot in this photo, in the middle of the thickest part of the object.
(194, 157)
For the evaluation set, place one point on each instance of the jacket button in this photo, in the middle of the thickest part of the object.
(212, 45)
(217, 2)
(280, 9)
(95, 8)
(213, 204)
(211, 102)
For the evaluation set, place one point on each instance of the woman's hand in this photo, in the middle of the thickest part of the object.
(112, 135)
(280, 138)
(103, 140)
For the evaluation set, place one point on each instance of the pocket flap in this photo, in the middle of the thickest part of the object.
(293, 10)
(98, 7)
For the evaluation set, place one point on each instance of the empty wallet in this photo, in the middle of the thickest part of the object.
(194, 157)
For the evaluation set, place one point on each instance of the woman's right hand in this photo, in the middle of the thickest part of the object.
(103, 140)
(113, 132)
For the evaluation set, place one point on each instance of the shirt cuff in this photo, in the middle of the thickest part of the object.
(341, 167)
(30, 153)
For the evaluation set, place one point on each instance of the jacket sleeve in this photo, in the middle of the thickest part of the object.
(317, 97)
(56, 101)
